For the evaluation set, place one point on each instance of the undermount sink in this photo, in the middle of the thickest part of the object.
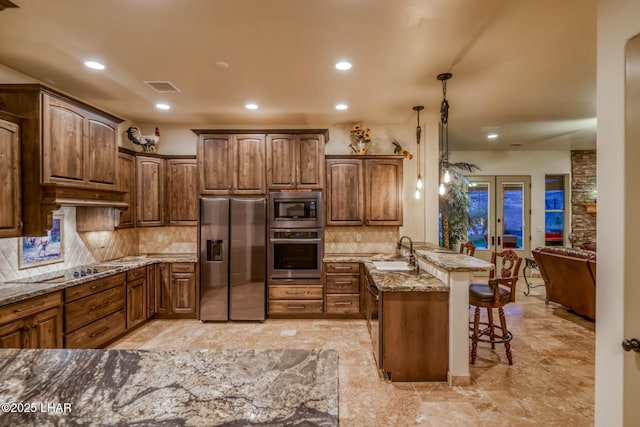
(392, 265)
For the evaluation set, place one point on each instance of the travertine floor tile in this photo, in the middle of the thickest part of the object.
(551, 382)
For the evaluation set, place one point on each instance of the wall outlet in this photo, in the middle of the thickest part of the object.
(358, 237)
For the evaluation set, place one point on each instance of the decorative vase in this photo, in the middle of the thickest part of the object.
(359, 147)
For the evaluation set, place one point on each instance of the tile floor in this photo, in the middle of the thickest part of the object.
(551, 382)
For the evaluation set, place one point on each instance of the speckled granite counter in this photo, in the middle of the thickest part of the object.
(154, 388)
(449, 260)
(21, 289)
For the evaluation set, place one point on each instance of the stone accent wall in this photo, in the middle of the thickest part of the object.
(584, 189)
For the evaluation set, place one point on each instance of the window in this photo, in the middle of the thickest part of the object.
(554, 210)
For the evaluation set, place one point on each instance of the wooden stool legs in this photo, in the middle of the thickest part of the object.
(504, 337)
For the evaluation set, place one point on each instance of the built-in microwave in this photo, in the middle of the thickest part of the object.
(295, 209)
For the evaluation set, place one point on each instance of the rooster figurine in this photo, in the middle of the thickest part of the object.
(147, 142)
(400, 150)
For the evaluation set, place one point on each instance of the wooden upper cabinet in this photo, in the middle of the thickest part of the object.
(345, 192)
(78, 146)
(364, 190)
(295, 161)
(126, 182)
(149, 191)
(68, 153)
(10, 208)
(181, 192)
(383, 191)
(231, 164)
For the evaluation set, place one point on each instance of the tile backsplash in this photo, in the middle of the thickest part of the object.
(99, 246)
(360, 240)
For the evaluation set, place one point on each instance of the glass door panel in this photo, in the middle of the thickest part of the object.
(499, 214)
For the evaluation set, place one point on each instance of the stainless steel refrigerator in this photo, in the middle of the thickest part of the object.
(233, 258)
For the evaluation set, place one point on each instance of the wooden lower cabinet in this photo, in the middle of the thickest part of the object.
(177, 290)
(152, 277)
(95, 312)
(32, 323)
(413, 330)
(342, 287)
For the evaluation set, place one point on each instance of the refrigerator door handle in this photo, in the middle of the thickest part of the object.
(214, 250)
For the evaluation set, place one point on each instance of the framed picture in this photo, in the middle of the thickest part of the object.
(49, 249)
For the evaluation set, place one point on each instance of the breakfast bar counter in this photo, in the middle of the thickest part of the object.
(138, 387)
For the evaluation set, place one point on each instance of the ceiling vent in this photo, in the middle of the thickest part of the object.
(162, 87)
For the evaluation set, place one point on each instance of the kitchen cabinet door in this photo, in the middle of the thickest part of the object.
(282, 161)
(215, 163)
(182, 193)
(310, 162)
(10, 183)
(183, 289)
(15, 334)
(150, 208)
(249, 164)
(345, 192)
(383, 192)
(101, 151)
(152, 278)
(163, 294)
(126, 182)
(46, 329)
(136, 301)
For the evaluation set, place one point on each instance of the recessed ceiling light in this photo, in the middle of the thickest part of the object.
(162, 106)
(221, 65)
(342, 107)
(94, 65)
(492, 136)
(343, 65)
(251, 106)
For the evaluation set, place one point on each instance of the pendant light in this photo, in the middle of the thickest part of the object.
(445, 176)
(419, 184)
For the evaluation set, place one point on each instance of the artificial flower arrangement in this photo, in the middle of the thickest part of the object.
(360, 138)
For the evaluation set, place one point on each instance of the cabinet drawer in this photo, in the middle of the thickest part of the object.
(295, 292)
(295, 306)
(86, 310)
(343, 303)
(183, 267)
(97, 333)
(136, 274)
(343, 267)
(339, 284)
(89, 288)
(30, 306)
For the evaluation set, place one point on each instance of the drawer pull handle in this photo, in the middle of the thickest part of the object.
(18, 310)
(342, 283)
(98, 285)
(95, 307)
(342, 303)
(296, 307)
(340, 267)
(295, 292)
(99, 331)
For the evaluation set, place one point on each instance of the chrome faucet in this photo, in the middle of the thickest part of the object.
(412, 259)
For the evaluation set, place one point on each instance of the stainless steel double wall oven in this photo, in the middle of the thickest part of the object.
(295, 235)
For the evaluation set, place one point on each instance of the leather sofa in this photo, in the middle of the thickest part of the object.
(569, 276)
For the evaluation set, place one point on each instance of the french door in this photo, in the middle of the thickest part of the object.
(500, 214)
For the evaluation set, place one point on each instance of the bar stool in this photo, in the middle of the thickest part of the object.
(496, 294)
(468, 248)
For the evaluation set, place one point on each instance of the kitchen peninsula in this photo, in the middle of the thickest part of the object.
(430, 312)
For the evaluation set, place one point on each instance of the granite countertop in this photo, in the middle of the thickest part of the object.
(20, 289)
(391, 280)
(448, 260)
(152, 388)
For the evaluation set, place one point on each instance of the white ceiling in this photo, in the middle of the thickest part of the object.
(526, 68)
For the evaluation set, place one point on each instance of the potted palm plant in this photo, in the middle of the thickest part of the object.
(454, 204)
